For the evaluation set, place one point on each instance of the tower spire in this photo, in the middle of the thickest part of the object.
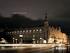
(46, 28)
(46, 18)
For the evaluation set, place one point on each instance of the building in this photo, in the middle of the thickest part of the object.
(33, 34)
(56, 36)
(41, 34)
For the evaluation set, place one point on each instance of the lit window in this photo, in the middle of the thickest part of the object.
(26, 30)
(14, 31)
(8, 32)
(37, 30)
(40, 30)
(33, 39)
(30, 30)
(17, 31)
(20, 36)
(40, 38)
(20, 31)
(23, 30)
(33, 35)
(33, 30)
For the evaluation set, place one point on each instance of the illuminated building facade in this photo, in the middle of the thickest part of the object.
(56, 36)
(41, 34)
(36, 34)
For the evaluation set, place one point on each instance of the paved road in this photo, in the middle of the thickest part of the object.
(35, 50)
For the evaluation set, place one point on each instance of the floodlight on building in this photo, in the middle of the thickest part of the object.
(44, 41)
(20, 36)
(51, 40)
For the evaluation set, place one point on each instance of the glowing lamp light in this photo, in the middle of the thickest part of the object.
(44, 41)
(13, 38)
(40, 38)
(20, 36)
(51, 40)
(33, 39)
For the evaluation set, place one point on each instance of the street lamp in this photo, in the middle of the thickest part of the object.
(16, 40)
(33, 39)
(21, 40)
(13, 40)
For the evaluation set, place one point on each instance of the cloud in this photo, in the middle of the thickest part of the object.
(22, 13)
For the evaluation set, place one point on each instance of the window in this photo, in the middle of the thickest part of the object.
(33, 35)
(20, 31)
(30, 30)
(14, 31)
(37, 30)
(23, 30)
(33, 30)
(40, 30)
(17, 32)
(26, 30)
(10, 32)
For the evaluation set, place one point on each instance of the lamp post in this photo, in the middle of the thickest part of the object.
(21, 40)
(16, 40)
(41, 40)
(33, 39)
(13, 40)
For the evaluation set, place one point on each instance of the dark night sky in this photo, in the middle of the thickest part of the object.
(58, 10)
(33, 8)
